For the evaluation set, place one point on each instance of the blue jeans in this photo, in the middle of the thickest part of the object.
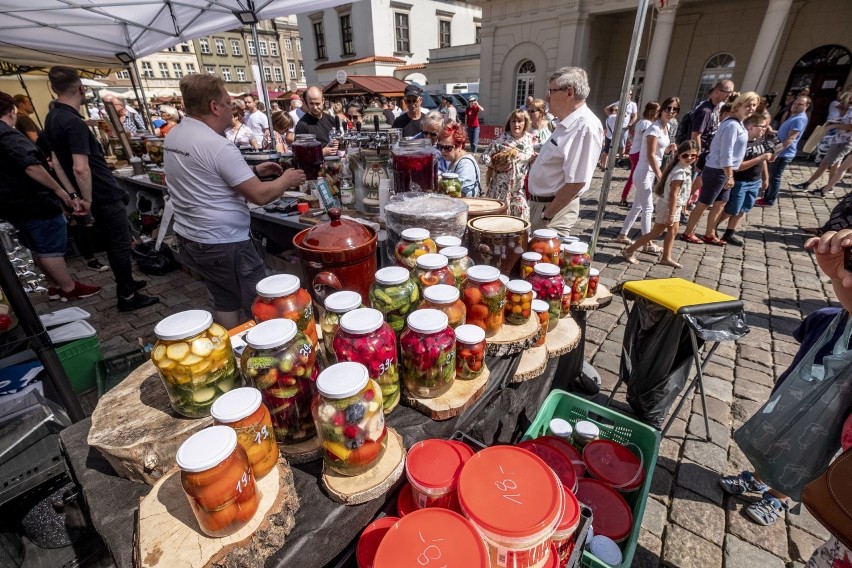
(473, 136)
(743, 196)
(776, 170)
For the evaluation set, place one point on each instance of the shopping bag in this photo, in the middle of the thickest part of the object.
(154, 262)
(791, 439)
(814, 139)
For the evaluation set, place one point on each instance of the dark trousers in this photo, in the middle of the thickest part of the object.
(113, 229)
(776, 170)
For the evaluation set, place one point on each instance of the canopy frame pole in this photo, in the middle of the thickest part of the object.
(27, 91)
(134, 80)
(267, 102)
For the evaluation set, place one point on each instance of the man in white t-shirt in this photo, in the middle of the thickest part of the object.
(296, 112)
(256, 120)
(563, 169)
(630, 117)
(210, 184)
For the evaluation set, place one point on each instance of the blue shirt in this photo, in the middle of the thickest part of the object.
(728, 146)
(468, 171)
(797, 122)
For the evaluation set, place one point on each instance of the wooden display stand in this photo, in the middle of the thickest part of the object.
(601, 299)
(168, 534)
(564, 337)
(532, 364)
(371, 484)
(459, 398)
(303, 452)
(513, 339)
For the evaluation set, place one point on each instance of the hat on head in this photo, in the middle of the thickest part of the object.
(413, 91)
(447, 98)
(295, 97)
(473, 98)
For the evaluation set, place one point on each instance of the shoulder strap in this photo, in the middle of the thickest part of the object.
(475, 167)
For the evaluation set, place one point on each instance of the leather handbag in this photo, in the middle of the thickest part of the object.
(829, 498)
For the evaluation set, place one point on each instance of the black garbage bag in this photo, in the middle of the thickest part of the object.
(154, 262)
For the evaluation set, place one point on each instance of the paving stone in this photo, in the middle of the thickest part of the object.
(741, 554)
(751, 391)
(661, 484)
(699, 515)
(684, 549)
(719, 388)
(607, 361)
(772, 538)
(805, 521)
(761, 377)
(802, 544)
(654, 518)
(719, 434)
(706, 454)
(716, 409)
(754, 355)
(700, 480)
(743, 409)
(714, 369)
(648, 551)
(669, 454)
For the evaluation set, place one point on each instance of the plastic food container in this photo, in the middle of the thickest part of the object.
(364, 337)
(548, 286)
(558, 461)
(585, 432)
(566, 301)
(279, 361)
(518, 302)
(428, 354)
(281, 296)
(460, 262)
(515, 501)
(405, 504)
(528, 261)
(612, 517)
(349, 419)
(432, 538)
(614, 464)
(563, 537)
(395, 294)
(432, 269)
(336, 305)
(470, 352)
(446, 241)
(570, 452)
(594, 279)
(371, 538)
(433, 467)
(413, 244)
(243, 410)
(194, 358)
(484, 296)
(445, 298)
(450, 184)
(217, 479)
(542, 310)
(546, 243)
(605, 550)
(576, 272)
(560, 428)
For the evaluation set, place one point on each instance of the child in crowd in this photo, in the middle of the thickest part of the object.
(608, 131)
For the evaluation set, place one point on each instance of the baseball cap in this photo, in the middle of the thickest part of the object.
(413, 91)
(473, 98)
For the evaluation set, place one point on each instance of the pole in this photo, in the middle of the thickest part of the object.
(617, 134)
(267, 102)
(27, 91)
(134, 80)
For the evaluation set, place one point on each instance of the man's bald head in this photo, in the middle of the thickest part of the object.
(314, 100)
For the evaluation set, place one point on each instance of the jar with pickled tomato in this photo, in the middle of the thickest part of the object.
(470, 352)
(336, 305)
(566, 301)
(594, 279)
(576, 274)
(281, 296)
(279, 361)
(519, 297)
(330, 171)
(349, 418)
(484, 297)
(447, 299)
(432, 269)
(218, 481)
(395, 294)
(542, 310)
(445, 241)
(413, 243)
(364, 337)
(528, 261)
(548, 286)
(428, 354)
(459, 261)
(243, 410)
(195, 360)
(450, 184)
(546, 243)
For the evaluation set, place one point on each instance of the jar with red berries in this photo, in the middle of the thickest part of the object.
(546, 243)
(432, 269)
(594, 279)
(459, 263)
(566, 301)
(576, 274)
(548, 286)
(484, 297)
(470, 352)
(413, 243)
(428, 354)
(446, 299)
(518, 300)
(528, 261)
(281, 296)
(542, 310)
(336, 305)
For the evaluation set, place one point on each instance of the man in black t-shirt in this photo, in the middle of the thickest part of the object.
(316, 122)
(410, 121)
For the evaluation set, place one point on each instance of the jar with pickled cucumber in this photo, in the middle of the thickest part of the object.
(459, 261)
(576, 273)
(432, 269)
(470, 352)
(281, 296)
(413, 243)
(445, 241)
(542, 310)
(484, 297)
(336, 305)
(519, 297)
(243, 410)
(450, 184)
(447, 299)
(279, 361)
(528, 261)
(548, 285)
(546, 242)
(194, 358)
(395, 294)
(428, 354)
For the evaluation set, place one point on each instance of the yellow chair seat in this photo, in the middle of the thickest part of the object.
(676, 293)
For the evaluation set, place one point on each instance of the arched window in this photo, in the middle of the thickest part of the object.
(719, 67)
(525, 82)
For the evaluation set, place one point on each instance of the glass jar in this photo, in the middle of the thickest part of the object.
(279, 362)
(308, 153)
(542, 310)
(413, 243)
(330, 172)
(470, 352)
(374, 173)
(576, 273)
(447, 299)
(349, 418)
(432, 269)
(154, 149)
(218, 481)
(519, 298)
(395, 294)
(428, 354)
(414, 166)
(460, 262)
(548, 286)
(528, 261)
(546, 243)
(445, 241)
(484, 297)
(194, 358)
(366, 338)
(566, 301)
(594, 279)
(243, 410)
(281, 296)
(336, 305)
(137, 146)
(450, 184)
(7, 316)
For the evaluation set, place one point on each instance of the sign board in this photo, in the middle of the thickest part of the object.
(341, 76)
(487, 134)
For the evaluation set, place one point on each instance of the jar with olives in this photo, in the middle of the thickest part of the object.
(548, 286)
(395, 294)
(432, 269)
(447, 299)
(576, 273)
(336, 305)
(470, 352)
(542, 311)
(243, 410)
(451, 184)
(518, 302)
(528, 261)
(459, 261)
(428, 354)
(546, 243)
(413, 243)
(281, 296)
(484, 297)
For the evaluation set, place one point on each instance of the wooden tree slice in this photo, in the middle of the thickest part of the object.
(513, 339)
(370, 484)
(303, 452)
(459, 398)
(564, 337)
(168, 534)
(136, 429)
(601, 299)
(532, 364)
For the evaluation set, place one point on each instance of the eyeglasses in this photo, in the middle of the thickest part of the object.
(559, 89)
(532, 110)
(672, 109)
(444, 147)
(430, 134)
(690, 156)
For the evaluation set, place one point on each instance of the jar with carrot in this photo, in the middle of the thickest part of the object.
(484, 297)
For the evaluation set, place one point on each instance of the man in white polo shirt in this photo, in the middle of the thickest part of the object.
(563, 169)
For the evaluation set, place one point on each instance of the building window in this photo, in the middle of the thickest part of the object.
(226, 73)
(220, 47)
(298, 44)
(190, 69)
(319, 37)
(211, 70)
(273, 48)
(292, 68)
(241, 74)
(184, 47)
(267, 74)
(250, 47)
(205, 46)
(302, 71)
(178, 69)
(478, 34)
(401, 31)
(278, 74)
(147, 70)
(718, 68)
(172, 49)
(288, 44)
(525, 82)
(164, 70)
(346, 34)
(444, 39)
(126, 75)
(235, 48)
(263, 50)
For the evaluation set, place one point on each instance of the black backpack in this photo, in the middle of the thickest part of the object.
(684, 127)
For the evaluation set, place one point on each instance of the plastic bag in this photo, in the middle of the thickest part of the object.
(154, 262)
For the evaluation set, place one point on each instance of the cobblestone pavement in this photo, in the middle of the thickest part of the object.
(688, 521)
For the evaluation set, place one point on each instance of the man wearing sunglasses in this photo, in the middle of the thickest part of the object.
(410, 121)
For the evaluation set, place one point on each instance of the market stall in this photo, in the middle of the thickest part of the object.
(367, 86)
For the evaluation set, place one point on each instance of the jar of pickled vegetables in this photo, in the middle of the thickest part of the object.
(546, 243)
(542, 310)
(450, 184)
(447, 299)
(594, 279)
(432, 269)
(576, 274)
(445, 241)
(279, 362)
(484, 297)
(519, 297)
(243, 410)
(395, 294)
(349, 418)
(459, 263)
(428, 354)
(194, 358)
(412, 244)
(528, 261)
(330, 171)
(366, 338)
(336, 305)
(218, 480)
(566, 301)
(281, 296)
(548, 286)
(470, 352)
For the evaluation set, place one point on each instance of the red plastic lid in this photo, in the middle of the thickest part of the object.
(557, 461)
(570, 511)
(465, 450)
(370, 539)
(614, 464)
(510, 492)
(405, 503)
(433, 464)
(570, 452)
(611, 515)
(432, 536)
(553, 559)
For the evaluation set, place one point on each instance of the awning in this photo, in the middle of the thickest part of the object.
(366, 85)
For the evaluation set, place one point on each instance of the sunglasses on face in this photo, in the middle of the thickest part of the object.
(672, 109)
(689, 156)
(445, 147)
(532, 110)
(429, 134)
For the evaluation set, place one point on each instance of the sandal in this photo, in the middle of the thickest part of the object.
(767, 511)
(742, 483)
(713, 240)
(623, 239)
(671, 263)
(652, 248)
(628, 257)
(691, 238)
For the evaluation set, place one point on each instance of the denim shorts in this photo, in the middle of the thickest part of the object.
(45, 237)
(743, 196)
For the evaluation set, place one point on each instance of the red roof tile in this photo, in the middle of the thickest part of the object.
(371, 59)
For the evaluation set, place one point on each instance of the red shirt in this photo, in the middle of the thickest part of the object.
(472, 116)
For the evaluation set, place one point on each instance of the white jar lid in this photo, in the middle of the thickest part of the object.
(504, 279)
(431, 261)
(342, 302)
(449, 175)
(206, 449)
(415, 234)
(271, 333)
(546, 269)
(183, 324)
(454, 252)
(539, 306)
(606, 550)
(392, 275)
(441, 294)
(277, 286)
(483, 273)
(235, 405)
(587, 429)
(519, 286)
(342, 380)
(361, 321)
(578, 248)
(448, 241)
(566, 289)
(470, 334)
(427, 321)
(561, 428)
(532, 256)
(594, 272)
(545, 234)
(568, 239)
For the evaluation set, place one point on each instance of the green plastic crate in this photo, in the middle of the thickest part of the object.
(618, 428)
(80, 360)
(113, 370)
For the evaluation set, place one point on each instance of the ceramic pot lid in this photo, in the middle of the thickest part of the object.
(337, 234)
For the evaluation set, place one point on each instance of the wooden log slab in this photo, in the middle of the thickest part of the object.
(371, 484)
(564, 337)
(168, 534)
(459, 398)
(601, 299)
(302, 452)
(532, 364)
(513, 339)
(136, 429)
